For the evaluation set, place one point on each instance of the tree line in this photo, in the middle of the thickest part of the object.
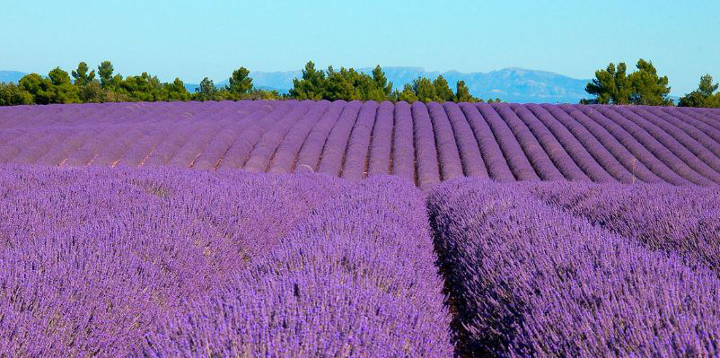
(89, 86)
(612, 85)
(84, 85)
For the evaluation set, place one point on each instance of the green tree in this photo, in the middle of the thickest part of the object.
(141, 88)
(704, 96)
(81, 75)
(312, 84)
(644, 86)
(649, 88)
(93, 93)
(442, 90)
(12, 95)
(407, 94)
(62, 88)
(610, 86)
(207, 90)
(424, 89)
(383, 88)
(105, 71)
(257, 93)
(240, 83)
(342, 85)
(175, 91)
(462, 93)
(57, 88)
(37, 87)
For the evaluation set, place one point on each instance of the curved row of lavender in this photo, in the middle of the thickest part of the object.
(528, 279)
(678, 220)
(167, 262)
(423, 143)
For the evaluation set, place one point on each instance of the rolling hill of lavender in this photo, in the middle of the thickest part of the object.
(359, 229)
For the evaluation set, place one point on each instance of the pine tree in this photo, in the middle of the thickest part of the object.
(105, 70)
(240, 83)
(610, 86)
(649, 88)
(207, 90)
(62, 88)
(81, 75)
(381, 81)
(443, 92)
(704, 96)
(312, 84)
(424, 89)
(462, 93)
(643, 87)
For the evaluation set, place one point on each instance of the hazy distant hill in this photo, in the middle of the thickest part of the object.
(510, 84)
(11, 76)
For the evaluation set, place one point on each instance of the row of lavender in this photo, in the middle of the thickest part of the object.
(422, 143)
(580, 270)
(100, 262)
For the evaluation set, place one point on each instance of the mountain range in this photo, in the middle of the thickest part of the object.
(509, 84)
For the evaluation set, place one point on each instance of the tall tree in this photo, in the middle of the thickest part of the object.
(610, 86)
(649, 88)
(176, 91)
(462, 93)
(644, 86)
(443, 92)
(207, 90)
(424, 89)
(240, 83)
(312, 84)
(141, 88)
(38, 87)
(341, 85)
(81, 75)
(105, 70)
(64, 91)
(704, 96)
(381, 81)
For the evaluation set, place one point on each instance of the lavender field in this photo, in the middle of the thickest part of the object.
(359, 229)
(422, 143)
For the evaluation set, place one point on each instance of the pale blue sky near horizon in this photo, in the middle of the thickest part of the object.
(194, 39)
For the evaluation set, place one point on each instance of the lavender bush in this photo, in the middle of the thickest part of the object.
(527, 279)
(677, 220)
(100, 262)
(344, 282)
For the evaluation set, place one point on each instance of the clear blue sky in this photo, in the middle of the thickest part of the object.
(194, 39)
